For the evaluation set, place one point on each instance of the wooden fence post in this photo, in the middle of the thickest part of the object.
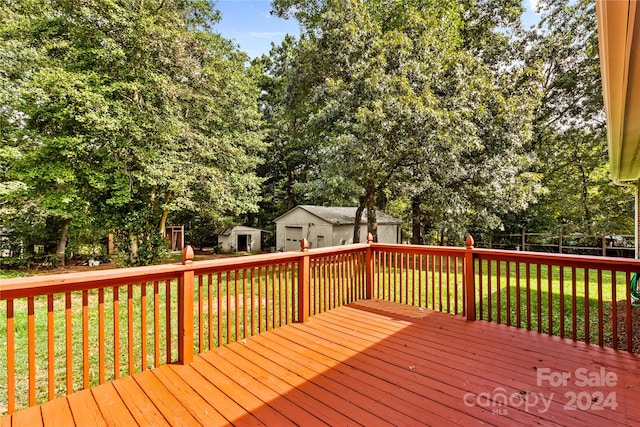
(304, 280)
(469, 281)
(185, 309)
(369, 267)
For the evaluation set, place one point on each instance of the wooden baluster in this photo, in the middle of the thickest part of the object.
(260, 298)
(31, 333)
(303, 282)
(508, 272)
(498, 292)
(562, 311)
(185, 308)
(143, 326)
(69, 342)
(167, 318)
(85, 339)
(156, 324)
(116, 332)
(587, 331)
(236, 293)
(448, 269)
(629, 318)
(600, 311)
(539, 296)
(11, 361)
(210, 308)
(51, 358)
(245, 320)
(574, 305)
(614, 310)
(253, 303)
(130, 340)
(101, 337)
(528, 295)
(469, 278)
(220, 316)
(518, 297)
(550, 297)
(489, 291)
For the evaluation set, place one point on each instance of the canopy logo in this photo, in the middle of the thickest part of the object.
(581, 389)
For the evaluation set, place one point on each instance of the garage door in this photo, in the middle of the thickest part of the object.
(293, 235)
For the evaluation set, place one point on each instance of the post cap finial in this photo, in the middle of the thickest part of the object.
(469, 242)
(369, 238)
(304, 245)
(187, 254)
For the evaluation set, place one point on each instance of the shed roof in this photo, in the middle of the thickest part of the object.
(339, 215)
(226, 231)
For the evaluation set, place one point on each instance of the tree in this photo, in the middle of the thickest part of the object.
(400, 103)
(136, 111)
(570, 135)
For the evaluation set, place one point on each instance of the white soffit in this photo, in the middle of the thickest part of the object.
(619, 36)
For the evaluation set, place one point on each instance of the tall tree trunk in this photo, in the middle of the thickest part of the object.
(416, 221)
(62, 243)
(165, 213)
(372, 221)
(358, 219)
(290, 197)
(133, 246)
(585, 199)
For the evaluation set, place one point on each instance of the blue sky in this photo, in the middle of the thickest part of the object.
(250, 25)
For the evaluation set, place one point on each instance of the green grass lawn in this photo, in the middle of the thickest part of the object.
(562, 294)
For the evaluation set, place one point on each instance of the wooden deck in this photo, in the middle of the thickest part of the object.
(370, 363)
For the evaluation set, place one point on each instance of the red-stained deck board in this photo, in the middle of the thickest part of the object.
(57, 413)
(439, 372)
(138, 403)
(375, 400)
(334, 394)
(84, 407)
(257, 387)
(368, 363)
(112, 407)
(265, 413)
(31, 417)
(199, 408)
(164, 400)
(230, 410)
(287, 383)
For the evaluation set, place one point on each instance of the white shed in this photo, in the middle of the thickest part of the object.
(326, 226)
(239, 239)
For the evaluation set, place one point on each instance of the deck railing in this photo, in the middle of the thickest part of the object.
(70, 332)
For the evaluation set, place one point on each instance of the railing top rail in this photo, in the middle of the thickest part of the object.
(21, 287)
(56, 283)
(598, 262)
(450, 250)
(337, 250)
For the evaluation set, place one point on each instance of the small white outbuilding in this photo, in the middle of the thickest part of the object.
(239, 239)
(326, 226)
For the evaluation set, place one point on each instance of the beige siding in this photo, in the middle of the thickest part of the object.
(321, 233)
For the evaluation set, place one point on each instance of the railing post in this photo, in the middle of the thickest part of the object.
(469, 280)
(185, 308)
(369, 266)
(304, 280)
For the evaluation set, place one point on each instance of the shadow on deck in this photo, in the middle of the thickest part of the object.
(371, 363)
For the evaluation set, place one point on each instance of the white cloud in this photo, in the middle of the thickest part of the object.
(533, 4)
